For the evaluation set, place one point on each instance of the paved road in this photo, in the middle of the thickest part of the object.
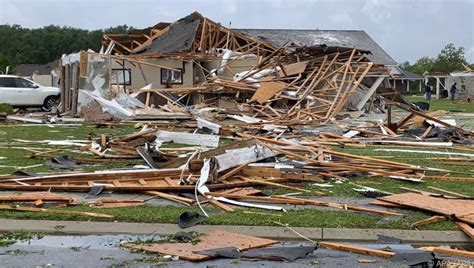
(104, 251)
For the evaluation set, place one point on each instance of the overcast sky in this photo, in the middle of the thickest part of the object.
(406, 29)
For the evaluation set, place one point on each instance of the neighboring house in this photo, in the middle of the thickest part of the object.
(401, 81)
(43, 74)
(443, 82)
(464, 84)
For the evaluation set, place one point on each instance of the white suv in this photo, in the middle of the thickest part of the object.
(21, 92)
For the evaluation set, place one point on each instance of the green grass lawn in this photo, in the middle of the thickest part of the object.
(296, 218)
(15, 156)
(445, 104)
(307, 217)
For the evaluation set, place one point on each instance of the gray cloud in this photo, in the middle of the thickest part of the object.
(406, 29)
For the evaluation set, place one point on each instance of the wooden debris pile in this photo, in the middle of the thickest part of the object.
(306, 85)
(220, 173)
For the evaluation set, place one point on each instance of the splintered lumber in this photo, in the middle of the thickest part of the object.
(283, 199)
(116, 203)
(468, 230)
(441, 122)
(443, 178)
(279, 185)
(221, 205)
(428, 221)
(266, 172)
(34, 196)
(449, 192)
(231, 172)
(461, 209)
(213, 240)
(356, 249)
(56, 211)
(171, 197)
(385, 204)
(449, 251)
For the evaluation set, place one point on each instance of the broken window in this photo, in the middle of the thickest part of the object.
(121, 77)
(171, 77)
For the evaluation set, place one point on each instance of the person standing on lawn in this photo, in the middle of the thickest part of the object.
(428, 91)
(453, 91)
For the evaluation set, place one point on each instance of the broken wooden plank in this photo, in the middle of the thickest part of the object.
(33, 196)
(466, 228)
(231, 172)
(449, 251)
(427, 221)
(356, 249)
(221, 205)
(449, 192)
(171, 197)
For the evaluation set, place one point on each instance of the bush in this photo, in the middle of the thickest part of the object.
(6, 108)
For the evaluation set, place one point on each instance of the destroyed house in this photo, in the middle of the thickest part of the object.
(197, 61)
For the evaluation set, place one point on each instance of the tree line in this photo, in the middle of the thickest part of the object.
(20, 45)
(450, 59)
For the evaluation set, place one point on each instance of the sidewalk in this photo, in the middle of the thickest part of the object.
(278, 233)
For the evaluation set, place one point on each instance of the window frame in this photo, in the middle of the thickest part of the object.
(162, 71)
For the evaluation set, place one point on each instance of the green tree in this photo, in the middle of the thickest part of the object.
(450, 59)
(22, 45)
(422, 65)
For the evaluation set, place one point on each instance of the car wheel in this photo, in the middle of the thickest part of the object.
(50, 102)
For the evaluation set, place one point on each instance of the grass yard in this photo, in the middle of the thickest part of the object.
(17, 155)
(445, 104)
(296, 218)
(14, 154)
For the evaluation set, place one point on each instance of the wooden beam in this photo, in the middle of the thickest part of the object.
(356, 249)
(427, 221)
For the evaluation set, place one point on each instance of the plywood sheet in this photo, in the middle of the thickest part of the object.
(266, 91)
(292, 69)
(461, 209)
(213, 240)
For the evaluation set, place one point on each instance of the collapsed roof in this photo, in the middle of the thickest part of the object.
(197, 34)
(338, 38)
